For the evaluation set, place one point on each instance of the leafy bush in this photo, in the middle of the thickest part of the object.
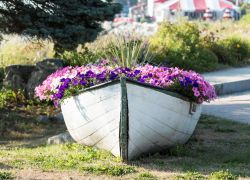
(8, 96)
(232, 50)
(180, 45)
(245, 19)
(83, 57)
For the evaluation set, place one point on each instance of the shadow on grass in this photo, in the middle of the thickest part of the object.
(216, 145)
(4, 166)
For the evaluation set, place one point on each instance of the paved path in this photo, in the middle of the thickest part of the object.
(230, 81)
(234, 107)
(228, 75)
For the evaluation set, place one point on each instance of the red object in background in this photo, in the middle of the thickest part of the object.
(123, 19)
(160, 1)
(196, 5)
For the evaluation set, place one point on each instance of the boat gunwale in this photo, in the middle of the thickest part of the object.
(117, 81)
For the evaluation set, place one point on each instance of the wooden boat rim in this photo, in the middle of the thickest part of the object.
(108, 83)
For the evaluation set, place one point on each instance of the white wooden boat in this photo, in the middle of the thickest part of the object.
(129, 118)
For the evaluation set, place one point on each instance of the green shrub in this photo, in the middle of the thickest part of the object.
(231, 51)
(223, 175)
(245, 19)
(180, 45)
(75, 58)
(8, 96)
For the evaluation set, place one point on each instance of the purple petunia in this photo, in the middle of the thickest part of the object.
(188, 83)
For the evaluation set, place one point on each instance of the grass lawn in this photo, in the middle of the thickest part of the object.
(219, 149)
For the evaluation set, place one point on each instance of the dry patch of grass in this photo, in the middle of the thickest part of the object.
(218, 149)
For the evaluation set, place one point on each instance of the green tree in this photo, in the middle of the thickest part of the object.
(67, 22)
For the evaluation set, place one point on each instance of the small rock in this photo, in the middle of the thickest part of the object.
(43, 118)
(60, 138)
(17, 76)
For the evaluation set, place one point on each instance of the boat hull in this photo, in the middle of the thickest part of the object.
(129, 118)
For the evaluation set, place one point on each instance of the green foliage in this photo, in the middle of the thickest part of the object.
(190, 176)
(179, 151)
(75, 58)
(5, 175)
(223, 175)
(232, 50)
(67, 23)
(245, 20)
(146, 176)
(8, 96)
(124, 50)
(218, 175)
(109, 169)
(180, 45)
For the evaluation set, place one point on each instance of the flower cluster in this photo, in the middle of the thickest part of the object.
(71, 80)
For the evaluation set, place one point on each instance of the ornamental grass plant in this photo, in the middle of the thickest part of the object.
(125, 50)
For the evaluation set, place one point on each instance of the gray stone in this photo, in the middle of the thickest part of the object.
(58, 117)
(49, 65)
(60, 139)
(43, 118)
(17, 76)
(42, 71)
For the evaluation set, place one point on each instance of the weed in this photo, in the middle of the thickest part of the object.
(5, 175)
(109, 169)
(146, 176)
(158, 162)
(190, 176)
(223, 175)
(179, 150)
(224, 130)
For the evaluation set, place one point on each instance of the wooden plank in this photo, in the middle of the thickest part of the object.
(83, 114)
(163, 131)
(94, 127)
(133, 150)
(124, 121)
(116, 149)
(160, 99)
(89, 98)
(110, 140)
(167, 117)
(157, 121)
(140, 141)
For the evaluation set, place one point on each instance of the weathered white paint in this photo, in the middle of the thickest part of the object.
(156, 120)
(93, 117)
